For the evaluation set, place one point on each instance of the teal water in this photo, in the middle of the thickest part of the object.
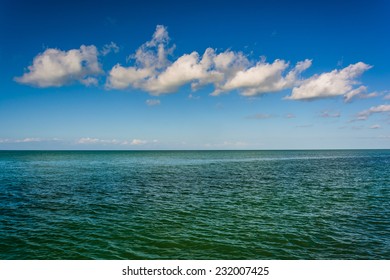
(195, 204)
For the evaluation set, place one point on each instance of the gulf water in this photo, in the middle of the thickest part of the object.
(327, 204)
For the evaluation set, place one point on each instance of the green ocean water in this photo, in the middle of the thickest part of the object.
(195, 204)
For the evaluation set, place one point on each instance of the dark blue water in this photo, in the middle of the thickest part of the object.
(195, 205)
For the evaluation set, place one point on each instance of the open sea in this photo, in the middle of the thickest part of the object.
(325, 204)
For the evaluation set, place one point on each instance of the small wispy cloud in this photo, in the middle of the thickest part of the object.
(152, 102)
(359, 93)
(363, 115)
(227, 144)
(88, 140)
(193, 96)
(134, 142)
(259, 116)
(138, 142)
(330, 114)
(375, 126)
(290, 116)
(108, 48)
(304, 125)
(28, 140)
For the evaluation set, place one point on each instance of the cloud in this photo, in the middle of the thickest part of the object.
(259, 116)
(330, 84)
(152, 69)
(290, 116)
(88, 140)
(108, 48)
(138, 142)
(264, 78)
(55, 68)
(227, 144)
(153, 102)
(24, 140)
(28, 140)
(154, 73)
(386, 97)
(385, 137)
(329, 114)
(373, 110)
(192, 96)
(359, 93)
(305, 125)
(353, 93)
(89, 81)
(375, 126)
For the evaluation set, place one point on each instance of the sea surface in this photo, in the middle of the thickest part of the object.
(326, 204)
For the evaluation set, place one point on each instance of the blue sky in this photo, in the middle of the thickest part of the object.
(194, 75)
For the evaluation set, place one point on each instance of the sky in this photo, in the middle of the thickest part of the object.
(142, 75)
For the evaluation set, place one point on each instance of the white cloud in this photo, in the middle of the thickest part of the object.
(373, 110)
(155, 73)
(330, 84)
(55, 68)
(359, 93)
(264, 78)
(28, 140)
(305, 125)
(89, 81)
(192, 96)
(138, 142)
(153, 70)
(226, 144)
(153, 102)
(260, 116)
(353, 93)
(330, 114)
(369, 95)
(88, 140)
(386, 97)
(375, 126)
(108, 48)
(290, 116)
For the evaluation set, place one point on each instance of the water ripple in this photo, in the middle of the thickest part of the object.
(195, 205)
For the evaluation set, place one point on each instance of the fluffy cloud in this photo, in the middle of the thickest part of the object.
(330, 84)
(373, 110)
(155, 73)
(264, 78)
(54, 68)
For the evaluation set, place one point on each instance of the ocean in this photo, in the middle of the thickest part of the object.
(323, 204)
